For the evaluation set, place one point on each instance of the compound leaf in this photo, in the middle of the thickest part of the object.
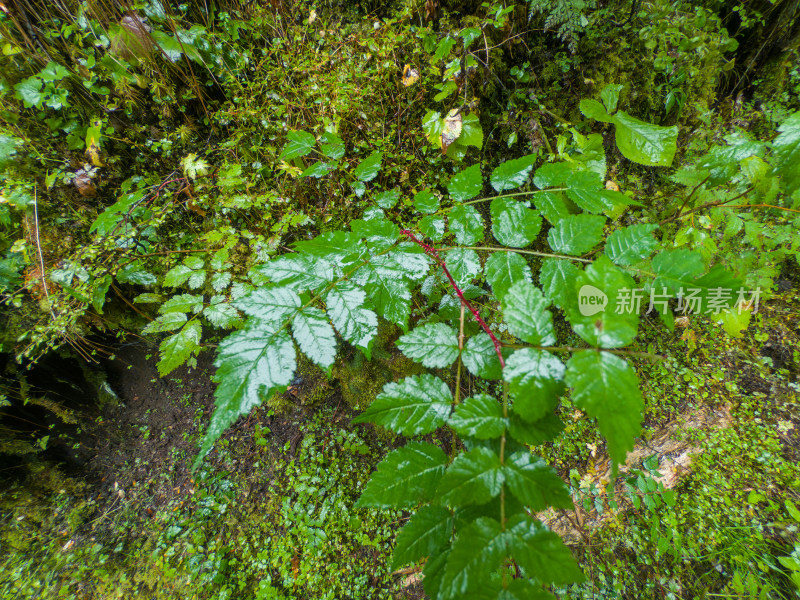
(177, 348)
(503, 269)
(315, 336)
(466, 185)
(534, 482)
(474, 477)
(629, 245)
(427, 531)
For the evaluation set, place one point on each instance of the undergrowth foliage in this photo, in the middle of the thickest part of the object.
(475, 504)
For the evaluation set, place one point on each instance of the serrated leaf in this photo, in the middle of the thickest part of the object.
(407, 477)
(594, 110)
(480, 357)
(557, 278)
(606, 387)
(576, 234)
(219, 281)
(464, 265)
(645, 143)
(319, 169)
(552, 174)
(466, 224)
(252, 364)
(552, 206)
(525, 312)
(584, 188)
(786, 153)
(504, 269)
(354, 323)
(182, 303)
(298, 272)
(379, 233)
(484, 546)
(513, 224)
(471, 132)
(474, 477)
(629, 245)
(537, 432)
(300, 143)
(480, 416)
(428, 530)
(414, 405)
(613, 323)
(331, 145)
(534, 483)
(466, 184)
(221, 314)
(30, 92)
(435, 345)
(676, 269)
(177, 348)
(535, 381)
(610, 96)
(196, 279)
(177, 275)
(315, 336)
(512, 173)
(387, 199)
(432, 227)
(168, 322)
(387, 290)
(426, 202)
(270, 304)
(368, 169)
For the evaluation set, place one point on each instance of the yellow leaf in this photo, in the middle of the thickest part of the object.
(93, 154)
(451, 128)
(410, 76)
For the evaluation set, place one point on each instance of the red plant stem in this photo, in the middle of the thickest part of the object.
(431, 251)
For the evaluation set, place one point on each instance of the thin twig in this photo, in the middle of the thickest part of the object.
(39, 250)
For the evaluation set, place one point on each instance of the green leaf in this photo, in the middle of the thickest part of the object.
(464, 265)
(135, 273)
(576, 234)
(315, 336)
(428, 530)
(368, 169)
(504, 269)
(644, 143)
(221, 314)
(612, 323)
(319, 169)
(298, 272)
(677, 269)
(610, 96)
(524, 310)
(331, 145)
(170, 46)
(30, 92)
(426, 202)
(387, 290)
(607, 388)
(512, 173)
(435, 345)
(552, 175)
(414, 405)
(534, 483)
(471, 133)
(356, 324)
(168, 322)
(535, 381)
(513, 224)
(270, 304)
(557, 278)
(786, 153)
(53, 72)
(537, 432)
(182, 303)
(629, 245)
(177, 275)
(432, 126)
(480, 357)
(466, 224)
(594, 110)
(177, 348)
(432, 227)
(387, 199)
(552, 206)
(481, 548)
(378, 232)
(474, 477)
(407, 477)
(480, 416)
(584, 188)
(300, 144)
(466, 184)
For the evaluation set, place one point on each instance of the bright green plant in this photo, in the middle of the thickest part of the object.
(471, 521)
